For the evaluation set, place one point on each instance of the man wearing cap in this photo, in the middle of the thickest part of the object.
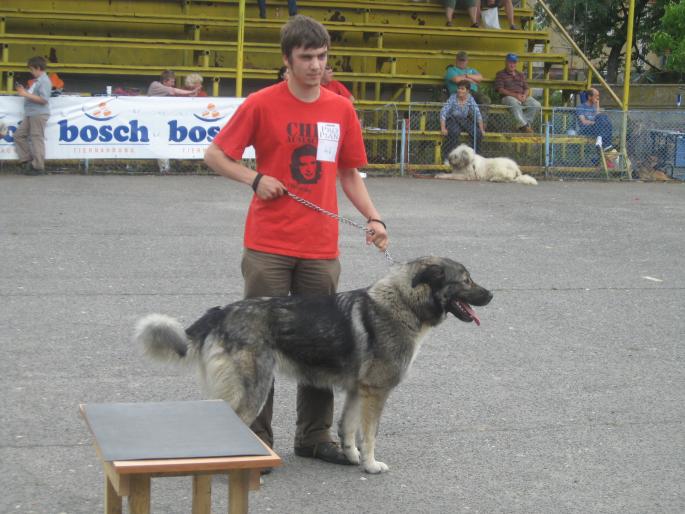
(512, 85)
(461, 71)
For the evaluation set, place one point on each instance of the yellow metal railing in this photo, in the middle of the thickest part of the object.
(583, 57)
(626, 81)
(240, 50)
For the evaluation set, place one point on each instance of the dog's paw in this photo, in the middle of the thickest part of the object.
(375, 467)
(352, 454)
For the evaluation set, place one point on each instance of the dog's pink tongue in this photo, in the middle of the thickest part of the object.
(471, 312)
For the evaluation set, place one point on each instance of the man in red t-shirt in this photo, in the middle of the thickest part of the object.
(304, 138)
(336, 86)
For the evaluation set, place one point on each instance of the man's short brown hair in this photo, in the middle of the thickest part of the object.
(167, 75)
(303, 32)
(37, 62)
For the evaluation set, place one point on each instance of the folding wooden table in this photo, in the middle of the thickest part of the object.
(138, 441)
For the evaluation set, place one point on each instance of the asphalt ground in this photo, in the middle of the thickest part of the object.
(568, 398)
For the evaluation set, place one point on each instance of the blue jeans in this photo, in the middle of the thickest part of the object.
(292, 8)
(455, 126)
(601, 127)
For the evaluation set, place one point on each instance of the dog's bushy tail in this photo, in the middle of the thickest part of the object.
(163, 338)
(526, 179)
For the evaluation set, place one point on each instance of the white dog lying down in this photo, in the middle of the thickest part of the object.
(468, 165)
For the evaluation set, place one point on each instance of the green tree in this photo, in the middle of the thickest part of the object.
(669, 40)
(600, 28)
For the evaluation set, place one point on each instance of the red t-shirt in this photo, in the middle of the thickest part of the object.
(338, 88)
(303, 145)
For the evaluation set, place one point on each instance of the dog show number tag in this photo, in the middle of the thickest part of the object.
(329, 135)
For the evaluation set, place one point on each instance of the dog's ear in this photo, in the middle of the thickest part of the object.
(433, 275)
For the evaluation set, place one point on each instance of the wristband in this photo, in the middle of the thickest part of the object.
(377, 221)
(255, 182)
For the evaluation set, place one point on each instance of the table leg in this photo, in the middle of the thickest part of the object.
(112, 499)
(238, 491)
(202, 494)
(139, 495)
(255, 480)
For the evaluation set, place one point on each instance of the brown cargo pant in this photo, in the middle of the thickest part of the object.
(268, 274)
(31, 128)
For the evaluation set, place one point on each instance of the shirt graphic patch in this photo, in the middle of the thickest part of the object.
(305, 168)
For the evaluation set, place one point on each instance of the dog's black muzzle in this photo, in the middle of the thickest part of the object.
(460, 304)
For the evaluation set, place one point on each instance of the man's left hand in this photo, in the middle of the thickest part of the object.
(377, 235)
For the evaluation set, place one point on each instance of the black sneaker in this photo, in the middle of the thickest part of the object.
(328, 452)
(28, 169)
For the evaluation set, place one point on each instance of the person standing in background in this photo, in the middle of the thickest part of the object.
(336, 86)
(29, 138)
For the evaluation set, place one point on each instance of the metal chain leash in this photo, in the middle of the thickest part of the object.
(341, 219)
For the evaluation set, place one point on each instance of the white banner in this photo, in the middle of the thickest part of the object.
(124, 127)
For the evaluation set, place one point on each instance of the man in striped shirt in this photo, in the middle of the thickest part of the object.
(512, 85)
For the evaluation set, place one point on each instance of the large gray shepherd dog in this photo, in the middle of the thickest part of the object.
(362, 341)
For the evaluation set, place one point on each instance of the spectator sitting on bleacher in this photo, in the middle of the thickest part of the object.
(292, 8)
(593, 123)
(328, 82)
(193, 82)
(460, 114)
(165, 86)
(470, 5)
(461, 71)
(512, 85)
(496, 4)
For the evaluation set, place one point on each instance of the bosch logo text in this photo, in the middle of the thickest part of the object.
(130, 133)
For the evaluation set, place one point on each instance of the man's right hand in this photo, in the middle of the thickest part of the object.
(270, 188)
